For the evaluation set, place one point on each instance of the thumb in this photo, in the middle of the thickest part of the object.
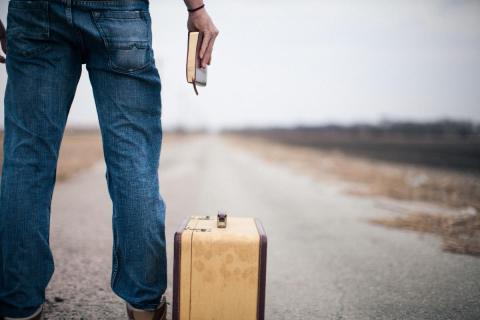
(4, 45)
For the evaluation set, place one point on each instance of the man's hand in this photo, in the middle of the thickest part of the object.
(201, 21)
(3, 41)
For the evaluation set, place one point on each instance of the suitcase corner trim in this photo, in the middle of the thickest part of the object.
(262, 272)
(177, 247)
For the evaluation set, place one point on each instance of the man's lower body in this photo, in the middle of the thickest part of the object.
(48, 41)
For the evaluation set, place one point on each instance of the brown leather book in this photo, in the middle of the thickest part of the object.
(195, 75)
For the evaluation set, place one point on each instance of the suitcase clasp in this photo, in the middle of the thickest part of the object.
(221, 220)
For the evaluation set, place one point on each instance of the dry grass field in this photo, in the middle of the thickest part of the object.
(79, 150)
(455, 190)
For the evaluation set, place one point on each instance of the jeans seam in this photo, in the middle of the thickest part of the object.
(114, 267)
(115, 263)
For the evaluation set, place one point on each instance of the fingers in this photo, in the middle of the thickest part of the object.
(3, 43)
(208, 53)
(205, 41)
(207, 48)
(4, 48)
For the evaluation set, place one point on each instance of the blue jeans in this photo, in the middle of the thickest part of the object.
(48, 41)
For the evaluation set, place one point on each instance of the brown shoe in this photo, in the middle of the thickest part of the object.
(38, 315)
(158, 314)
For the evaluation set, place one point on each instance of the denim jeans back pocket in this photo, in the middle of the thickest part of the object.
(28, 27)
(127, 38)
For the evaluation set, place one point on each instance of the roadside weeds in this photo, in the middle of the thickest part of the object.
(459, 191)
(459, 234)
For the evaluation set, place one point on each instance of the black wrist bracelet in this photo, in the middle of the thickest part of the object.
(196, 9)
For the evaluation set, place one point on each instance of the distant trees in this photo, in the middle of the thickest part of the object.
(437, 129)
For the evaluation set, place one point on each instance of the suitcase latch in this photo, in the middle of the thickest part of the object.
(221, 220)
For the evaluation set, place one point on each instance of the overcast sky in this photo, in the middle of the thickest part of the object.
(281, 62)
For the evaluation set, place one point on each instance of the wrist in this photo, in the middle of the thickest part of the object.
(197, 8)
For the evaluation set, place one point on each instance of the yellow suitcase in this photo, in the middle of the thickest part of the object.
(219, 269)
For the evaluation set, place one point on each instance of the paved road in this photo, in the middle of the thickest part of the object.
(325, 261)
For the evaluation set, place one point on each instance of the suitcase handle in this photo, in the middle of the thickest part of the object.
(221, 220)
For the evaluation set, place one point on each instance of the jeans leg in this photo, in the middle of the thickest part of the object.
(42, 78)
(126, 88)
(129, 109)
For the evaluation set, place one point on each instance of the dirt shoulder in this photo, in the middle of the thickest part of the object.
(80, 149)
(458, 191)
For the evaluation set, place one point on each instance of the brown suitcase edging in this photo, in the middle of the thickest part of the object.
(177, 247)
(262, 278)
